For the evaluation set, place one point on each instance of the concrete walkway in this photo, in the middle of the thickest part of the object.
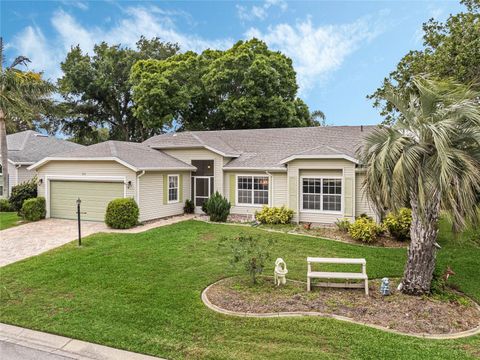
(19, 343)
(21, 242)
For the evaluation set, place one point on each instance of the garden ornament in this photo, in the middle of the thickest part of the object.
(280, 272)
(385, 287)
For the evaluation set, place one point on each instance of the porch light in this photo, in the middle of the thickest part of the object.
(129, 184)
(40, 181)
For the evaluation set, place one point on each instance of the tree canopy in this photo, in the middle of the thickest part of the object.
(451, 50)
(97, 92)
(246, 86)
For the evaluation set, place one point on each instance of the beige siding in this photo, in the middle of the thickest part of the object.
(277, 194)
(24, 175)
(151, 196)
(85, 171)
(361, 202)
(321, 167)
(187, 155)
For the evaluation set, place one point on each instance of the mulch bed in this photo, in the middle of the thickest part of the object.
(400, 312)
(333, 233)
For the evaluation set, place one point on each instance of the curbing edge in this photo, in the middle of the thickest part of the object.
(220, 310)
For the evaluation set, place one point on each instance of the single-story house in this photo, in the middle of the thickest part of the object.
(26, 148)
(312, 170)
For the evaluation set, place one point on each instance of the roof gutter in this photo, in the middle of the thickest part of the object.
(254, 169)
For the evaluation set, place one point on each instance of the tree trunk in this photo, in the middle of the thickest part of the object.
(420, 265)
(4, 153)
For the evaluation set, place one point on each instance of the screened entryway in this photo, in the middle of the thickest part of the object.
(202, 181)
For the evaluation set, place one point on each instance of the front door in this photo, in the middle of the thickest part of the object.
(202, 189)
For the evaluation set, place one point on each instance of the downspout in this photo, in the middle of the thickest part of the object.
(270, 198)
(16, 175)
(138, 187)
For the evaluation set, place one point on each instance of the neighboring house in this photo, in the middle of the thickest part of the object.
(313, 171)
(26, 148)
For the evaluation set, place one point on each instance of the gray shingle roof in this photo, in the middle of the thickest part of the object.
(266, 148)
(30, 146)
(138, 156)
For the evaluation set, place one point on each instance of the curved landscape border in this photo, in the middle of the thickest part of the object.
(220, 310)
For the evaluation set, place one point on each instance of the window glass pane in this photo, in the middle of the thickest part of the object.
(172, 188)
(244, 182)
(260, 183)
(311, 202)
(260, 197)
(332, 186)
(332, 202)
(244, 196)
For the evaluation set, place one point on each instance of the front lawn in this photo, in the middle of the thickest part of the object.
(8, 220)
(141, 292)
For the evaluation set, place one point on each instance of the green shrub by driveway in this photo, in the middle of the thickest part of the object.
(22, 192)
(122, 213)
(5, 205)
(34, 209)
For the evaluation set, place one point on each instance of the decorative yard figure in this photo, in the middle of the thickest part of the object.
(280, 272)
(385, 287)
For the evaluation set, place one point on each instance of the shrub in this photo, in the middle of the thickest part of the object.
(122, 213)
(34, 209)
(365, 230)
(204, 207)
(218, 208)
(274, 215)
(189, 207)
(343, 224)
(252, 252)
(22, 192)
(398, 223)
(5, 205)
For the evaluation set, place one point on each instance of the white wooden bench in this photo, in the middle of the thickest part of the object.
(338, 275)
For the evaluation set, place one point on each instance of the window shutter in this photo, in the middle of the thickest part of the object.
(180, 188)
(232, 189)
(165, 189)
(292, 193)
(348, 197)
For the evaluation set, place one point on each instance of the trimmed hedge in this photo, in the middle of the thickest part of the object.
(5, 205)
(22, 192)
(122, 213)
(34, 209)
(274, 215)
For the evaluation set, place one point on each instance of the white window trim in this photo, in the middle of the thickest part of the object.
(252, 176)
(168, 189)
(302, 210)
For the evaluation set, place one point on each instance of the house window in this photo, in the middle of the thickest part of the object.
(172, 188)
(252, 190)
(320, 194)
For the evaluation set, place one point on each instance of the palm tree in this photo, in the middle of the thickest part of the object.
(429, 159)
(23, 95)
(318, 117)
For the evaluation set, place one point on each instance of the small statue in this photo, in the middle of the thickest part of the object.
(280, 272)
(385, 287)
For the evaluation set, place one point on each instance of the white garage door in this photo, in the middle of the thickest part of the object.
(95, 197)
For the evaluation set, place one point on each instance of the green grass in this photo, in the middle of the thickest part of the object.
(141, 292)
(8, 220)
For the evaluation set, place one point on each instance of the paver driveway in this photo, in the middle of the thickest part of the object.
(17, 243)
(21, 242)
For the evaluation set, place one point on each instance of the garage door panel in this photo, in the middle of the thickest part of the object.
(95, 197)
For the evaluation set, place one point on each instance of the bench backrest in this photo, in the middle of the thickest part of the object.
(346, 261)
